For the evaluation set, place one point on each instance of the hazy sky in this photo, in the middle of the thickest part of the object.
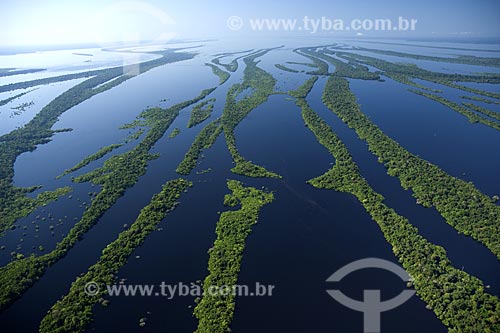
(29, 22)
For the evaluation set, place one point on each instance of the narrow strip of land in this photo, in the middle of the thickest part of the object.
(215, 312)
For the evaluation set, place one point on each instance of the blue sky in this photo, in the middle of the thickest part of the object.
(26, 22)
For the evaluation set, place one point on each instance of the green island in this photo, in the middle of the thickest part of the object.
(91, 158)
(176, 131)
(262, 85)
(459, 290)
(403, 72)
(486, 112)
(118, 173)
(14, 203)
(10, 99)
(464, 60)
(353, 70)
(321, 66)
(73, 313)
(202, 172)
(473, 117)
(233, 65)
(431, 47)
(286, 69)
(301, 63)
(459, 202)
(480, 99)
(404, 79)
(23, 206)
(22, 107)
(135, 136)
(215, 312)
(223, 75)
(457, 298)
(304, 89)
(471, 90)
(204, 140)
(412, 70)
(14, 71)
(167, 56)
(201, 112)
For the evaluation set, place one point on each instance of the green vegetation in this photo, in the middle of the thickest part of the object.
(174, 133)
(457, 298)
(226, 54)
(480, 99)
(23, 106)
(73, 313)
(10, 99)
(15, 71)
(215, 312)
(489, 113)
(223, 76)
(322, 67)
(430, 47)
(233, 65)
(204, 140)
(352, 69)
(461, 204)
(472, 116)
(404, 72)
(286, 69)
(301, 63)
(414, 71)
(464, 88)
(304, 89)
(10, 211)
(89, 159)
(13, 201)
(202, 172)
(404, 79)
(262, 85)
(167, 56)
(201, 112)
(118, 173)
(465, 60)
(135, 136)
